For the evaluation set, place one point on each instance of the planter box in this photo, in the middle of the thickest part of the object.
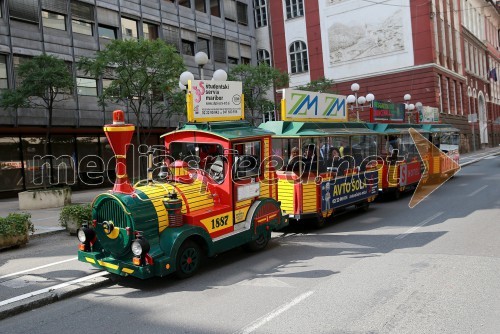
(11, 241)
(44, 198)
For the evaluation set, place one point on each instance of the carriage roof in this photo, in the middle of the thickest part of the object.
(315, 129)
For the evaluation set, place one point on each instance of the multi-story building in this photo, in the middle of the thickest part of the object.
(444, 53)
(69, 29)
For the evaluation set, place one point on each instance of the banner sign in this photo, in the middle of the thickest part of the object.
(387, 111)
(299, 105)
(343, 191)
(210, 101)
(429, 115)
(409, 173)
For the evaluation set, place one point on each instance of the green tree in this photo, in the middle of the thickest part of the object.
(322, 85)
(259, 83)
(145, 78)
(44, 81)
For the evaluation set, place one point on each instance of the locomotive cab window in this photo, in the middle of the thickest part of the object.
(196, 155)
(247, 159)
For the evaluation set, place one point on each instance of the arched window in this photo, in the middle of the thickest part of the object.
(263, 56)
(298, 57)
(294, 8)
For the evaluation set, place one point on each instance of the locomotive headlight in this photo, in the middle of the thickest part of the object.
(81, 236)
(140, 247)
(85, 235)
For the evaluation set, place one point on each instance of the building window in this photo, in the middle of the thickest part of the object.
(200, 5)
(129, 28)
(150, 31)
(447, 90)
(242, 11)
(185, 3)
(232, 61)
(244, 60)
(171, 35)
(294, 8)
(82, 15)
(215, 8)
(107, 32)
(187, 48)
(18, 61)
(219, 49)
(26, 10)
(86, 86)
(298, 57)
(204, 45)
(263, 56)
(260, 12)
(3, 73)
(53, 20)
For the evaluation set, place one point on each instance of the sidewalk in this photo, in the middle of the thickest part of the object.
(47, 220)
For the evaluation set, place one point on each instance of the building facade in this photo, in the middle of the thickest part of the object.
(68, 29)
(444, 53)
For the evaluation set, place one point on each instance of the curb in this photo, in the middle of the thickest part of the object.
(53, 296)
(479, 159)
(43, 234)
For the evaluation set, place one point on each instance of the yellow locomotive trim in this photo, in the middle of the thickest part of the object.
(91, 260)
(127, 270)
(108, 265)
(114, 233)
(119, 128)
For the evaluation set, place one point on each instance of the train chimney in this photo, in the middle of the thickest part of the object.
(119, 135)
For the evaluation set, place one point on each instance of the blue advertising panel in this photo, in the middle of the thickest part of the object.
(346, 190)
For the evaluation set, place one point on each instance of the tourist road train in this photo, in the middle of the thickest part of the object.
(220, 182)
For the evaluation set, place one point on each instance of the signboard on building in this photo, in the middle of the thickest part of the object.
(387, 111)
(429, 115)
(210, 101)
(298, 105)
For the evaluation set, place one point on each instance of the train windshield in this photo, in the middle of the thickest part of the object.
(196, 155)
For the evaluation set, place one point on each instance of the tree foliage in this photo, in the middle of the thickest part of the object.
(145, 76)
(44, 81)
(259, 84)
(322, 85)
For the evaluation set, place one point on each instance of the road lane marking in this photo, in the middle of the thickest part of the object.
(477, 191)
(416, 227)
(273, 314)
(52, 288)
(36, 268)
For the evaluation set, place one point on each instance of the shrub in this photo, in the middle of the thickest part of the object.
(81, 213)
(16, 224)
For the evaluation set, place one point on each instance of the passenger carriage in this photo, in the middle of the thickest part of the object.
(447, 139)
(316, 185)
(400, 165)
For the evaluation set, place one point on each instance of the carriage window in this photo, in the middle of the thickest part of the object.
(361, 148)
(247, 160)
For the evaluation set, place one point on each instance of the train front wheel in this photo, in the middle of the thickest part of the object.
(188, 260)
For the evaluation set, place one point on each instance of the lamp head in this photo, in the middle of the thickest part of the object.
(185, 77)
(355, 87)
(201, 58)
(220, 75)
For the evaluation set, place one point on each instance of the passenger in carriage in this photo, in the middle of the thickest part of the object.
(294, 159)
(334, 160)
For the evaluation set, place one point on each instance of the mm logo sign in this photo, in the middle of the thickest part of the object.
(310, 106)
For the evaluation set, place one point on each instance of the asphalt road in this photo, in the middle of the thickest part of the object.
(431, 269)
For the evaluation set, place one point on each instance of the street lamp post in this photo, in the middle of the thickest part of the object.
(409, 107)
(357, 102)
(472, 121)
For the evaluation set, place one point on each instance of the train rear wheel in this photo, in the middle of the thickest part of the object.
(188, 260)
(257, 244)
